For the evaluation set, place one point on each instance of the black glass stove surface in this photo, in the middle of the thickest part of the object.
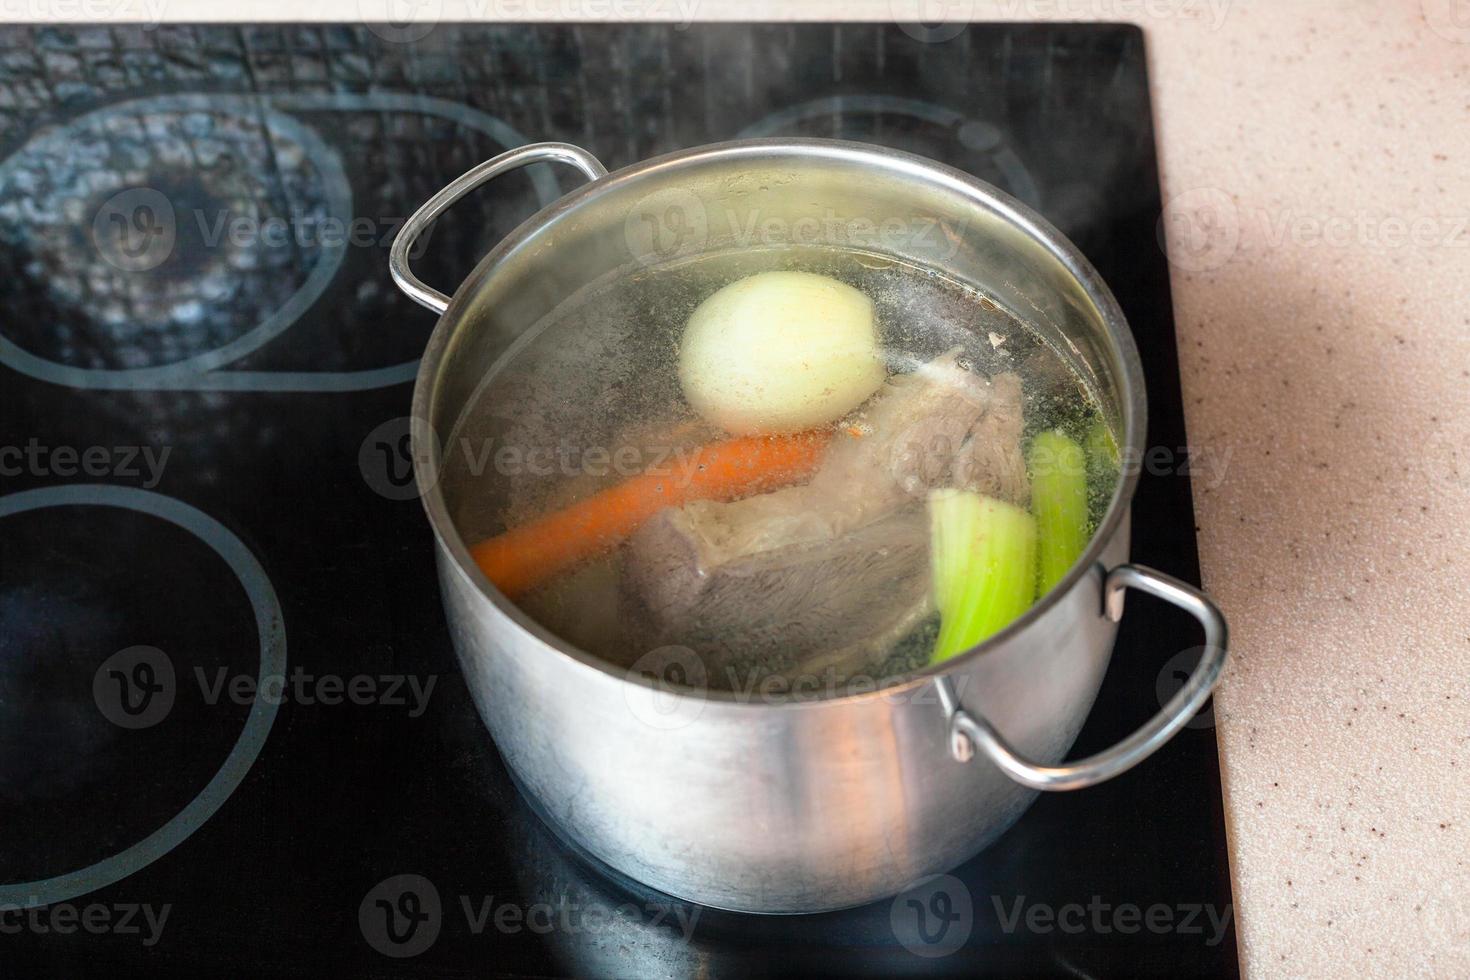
(232, 734)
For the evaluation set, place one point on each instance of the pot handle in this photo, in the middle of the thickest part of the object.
(458, 188)
(967, 730)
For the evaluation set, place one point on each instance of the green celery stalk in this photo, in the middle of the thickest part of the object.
(1102, 448)
(984, 562)
(1059, 501)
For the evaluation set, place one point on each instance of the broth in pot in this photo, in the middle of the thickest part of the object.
(799, 464)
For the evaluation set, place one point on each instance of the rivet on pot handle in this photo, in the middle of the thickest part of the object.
(458, 188)
(968, 731)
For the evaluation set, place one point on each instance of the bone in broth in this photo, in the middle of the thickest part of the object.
(791, 464)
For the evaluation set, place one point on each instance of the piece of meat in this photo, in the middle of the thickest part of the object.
(806, 605)
(990, 460)
(944, 427)
(822, 575)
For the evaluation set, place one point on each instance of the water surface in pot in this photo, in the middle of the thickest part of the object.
(828, 575)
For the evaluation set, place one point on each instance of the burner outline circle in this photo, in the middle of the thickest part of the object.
(269, 624)
(201, 371)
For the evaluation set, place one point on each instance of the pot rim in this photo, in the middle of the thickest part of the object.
(983, 195)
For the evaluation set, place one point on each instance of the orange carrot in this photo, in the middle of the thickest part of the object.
(526, 556)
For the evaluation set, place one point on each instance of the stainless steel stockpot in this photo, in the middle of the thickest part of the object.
(796, 804)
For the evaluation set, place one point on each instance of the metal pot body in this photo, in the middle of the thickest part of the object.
(777, 807)
(807, 800)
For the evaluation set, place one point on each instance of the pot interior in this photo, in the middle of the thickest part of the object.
(554, 374)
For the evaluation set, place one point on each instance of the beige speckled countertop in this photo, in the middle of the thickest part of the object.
(1317, 157)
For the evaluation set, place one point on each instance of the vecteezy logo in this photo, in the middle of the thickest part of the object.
(134, 688)
(134, 230)
(388, 462)
(1200, 229)
(1447, 915)
(934, 917)
(1450, 19)
(932, 21)
(401, 21)
(1172, 678)
(401, 916)
(1447, 454)
(666, 687)
(666, 224)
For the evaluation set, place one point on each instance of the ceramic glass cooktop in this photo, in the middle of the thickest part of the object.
(231, 727)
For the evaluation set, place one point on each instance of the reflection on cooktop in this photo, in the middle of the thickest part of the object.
(216, 222)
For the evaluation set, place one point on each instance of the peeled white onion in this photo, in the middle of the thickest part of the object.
(780, 352)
